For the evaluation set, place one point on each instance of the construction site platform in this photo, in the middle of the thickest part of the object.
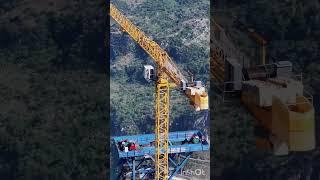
(147, 142)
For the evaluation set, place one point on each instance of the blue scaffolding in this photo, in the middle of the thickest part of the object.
(137, 162)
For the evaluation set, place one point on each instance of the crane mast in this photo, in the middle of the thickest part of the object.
(162, 128)
(166, 71)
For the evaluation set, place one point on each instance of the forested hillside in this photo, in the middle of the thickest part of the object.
(292, 30)
(182, 29)
(184, 34)
(53, 89)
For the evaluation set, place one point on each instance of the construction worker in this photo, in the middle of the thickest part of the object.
(203, 140)
(195, 139)
(132, 147)
(122, 144)
(185, 141)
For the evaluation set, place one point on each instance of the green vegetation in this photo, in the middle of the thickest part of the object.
(54, 93)
(179, 27)
(169, 24)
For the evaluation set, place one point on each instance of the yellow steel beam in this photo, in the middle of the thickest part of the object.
(159, 55)
(162, 128)
(166, 69)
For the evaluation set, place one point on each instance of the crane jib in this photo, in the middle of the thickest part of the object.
(159, 55)
(166, 69)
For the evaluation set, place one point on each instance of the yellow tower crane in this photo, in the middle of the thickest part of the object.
(166, 71)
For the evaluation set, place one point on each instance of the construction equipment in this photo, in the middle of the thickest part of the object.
(285, 117)
(167, 75)
(137, 160)
(283, 110)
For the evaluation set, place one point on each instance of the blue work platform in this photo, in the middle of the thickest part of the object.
(174, 137)
(136, 159)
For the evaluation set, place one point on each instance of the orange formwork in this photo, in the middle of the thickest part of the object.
(295, 123)
(290, 124)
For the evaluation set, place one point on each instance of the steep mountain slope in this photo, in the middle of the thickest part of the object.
(182, 34)
(53, 119)
(182, 29)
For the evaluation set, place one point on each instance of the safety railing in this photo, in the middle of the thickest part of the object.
(147, 138)
(172, 149)
(306, 93)
(298, 77)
